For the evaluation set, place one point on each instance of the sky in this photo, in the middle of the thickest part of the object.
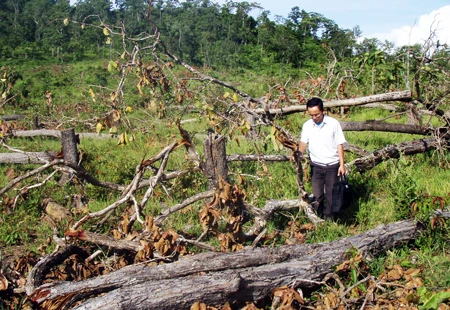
(402, 22)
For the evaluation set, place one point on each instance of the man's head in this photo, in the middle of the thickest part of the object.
(315, 109)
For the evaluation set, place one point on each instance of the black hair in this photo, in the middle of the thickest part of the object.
(314, 102)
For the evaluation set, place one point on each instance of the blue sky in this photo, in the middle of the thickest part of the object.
(399, 21)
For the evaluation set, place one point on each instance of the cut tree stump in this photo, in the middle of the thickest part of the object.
(249, 275)
(216, 160)
(69, 141)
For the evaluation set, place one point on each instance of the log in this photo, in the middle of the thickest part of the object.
(13, 117)
(57, 134)
(249, 275)
(384, 126)
(392, 151)
(393, 96)
(26, 157)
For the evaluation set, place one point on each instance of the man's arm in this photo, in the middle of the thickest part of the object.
(302, 147)
(342, 169)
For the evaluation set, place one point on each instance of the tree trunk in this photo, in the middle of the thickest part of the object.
(392, 151)
(393, 96)
(216, 163)
(13, 117)
(69, 141)
(383, 126)
(56, 134)
(249, 275)
(26, 158)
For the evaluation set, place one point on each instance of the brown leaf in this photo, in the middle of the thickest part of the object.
(226, 307)
(3, 282)
(198, 306)
(396, 273)
(10, 173)
(250, 306)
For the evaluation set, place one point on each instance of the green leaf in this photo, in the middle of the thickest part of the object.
(433, 300)
(113, 131)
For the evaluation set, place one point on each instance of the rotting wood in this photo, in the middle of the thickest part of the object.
(251, 274)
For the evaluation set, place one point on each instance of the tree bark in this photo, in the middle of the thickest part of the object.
(393, 96)
(69, 141)
(57, 134)
(383, 126)
(249, 275)
(392, 151)
(13, 117)
(216, 163)
(26, 158)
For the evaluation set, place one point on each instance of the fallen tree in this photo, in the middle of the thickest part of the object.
(392, 96)
(249, 275)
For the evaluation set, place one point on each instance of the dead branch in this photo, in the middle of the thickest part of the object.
(261, 216)
(101, 239)
(392, 151)
(129, 191)
(256, 157)
(29, 174)
(386, 127)
(13, 117)
(154, 180)
(393, 96)
(57, 134)
(37, 274)
(165, 213)
(26, 157)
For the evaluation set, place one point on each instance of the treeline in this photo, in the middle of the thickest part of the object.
(200, 32)
(208, 35)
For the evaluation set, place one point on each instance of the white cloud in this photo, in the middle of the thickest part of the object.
(437, 21)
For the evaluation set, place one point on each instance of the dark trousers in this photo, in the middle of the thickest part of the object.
(323, 179)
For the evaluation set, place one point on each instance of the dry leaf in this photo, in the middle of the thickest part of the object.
(3, 282)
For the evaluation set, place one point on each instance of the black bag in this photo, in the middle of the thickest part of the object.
(341, 194)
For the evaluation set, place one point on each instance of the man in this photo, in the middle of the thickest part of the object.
(324, 137)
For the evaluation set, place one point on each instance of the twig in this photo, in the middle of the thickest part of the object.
(136, 208)
(25, 189)
(197, 243)
(93, 256)
(114, 205)
(185, 203)
(154, 180)
(348, 290)
(29, 174)
(261, 234)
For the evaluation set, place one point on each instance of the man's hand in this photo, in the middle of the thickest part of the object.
(342, 170)
(298, 155)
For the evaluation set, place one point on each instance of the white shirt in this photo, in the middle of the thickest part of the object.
(323, 140)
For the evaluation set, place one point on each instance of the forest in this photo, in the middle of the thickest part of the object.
(149, 159)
